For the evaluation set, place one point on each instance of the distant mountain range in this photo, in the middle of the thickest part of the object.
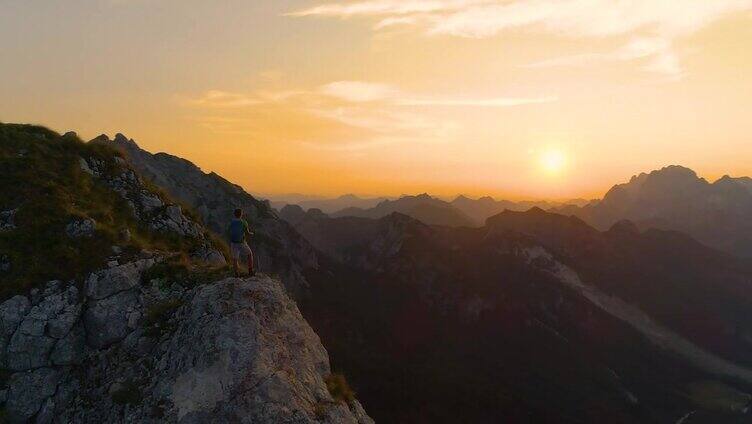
(483, 208)
(718, 214)
(324, 204)
(423, 207)
(462, 211)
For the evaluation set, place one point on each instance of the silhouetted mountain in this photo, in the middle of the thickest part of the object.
(675, 198)
(536, 317)
(327, 205)
(485, 207)
(423, 207)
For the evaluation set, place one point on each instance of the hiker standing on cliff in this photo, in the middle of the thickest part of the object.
(238, 230)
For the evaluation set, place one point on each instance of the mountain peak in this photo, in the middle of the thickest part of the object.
(675, 171)
(102, 138)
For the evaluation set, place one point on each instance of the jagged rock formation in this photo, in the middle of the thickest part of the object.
(122, 351)
(675, 198)
(277, 247)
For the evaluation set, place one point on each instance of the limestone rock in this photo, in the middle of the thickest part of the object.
(28, 391)
(253, 358)
(12, 312)
(4, 263)
(70, 349)
(237, 350)
(106, 320)
(105, 283)
(50, 319)
(8, 220)
(79, 228)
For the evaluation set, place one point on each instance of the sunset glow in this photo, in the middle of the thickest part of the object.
(553, 161)
(385, 97)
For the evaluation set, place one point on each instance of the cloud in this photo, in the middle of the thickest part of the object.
(362, 92)
(385, 7)
(375, 113)
(358, 91)
(493, 102)
(222, 99)
(658, 52)
(659, 21)
(482, 18)
(355, 146)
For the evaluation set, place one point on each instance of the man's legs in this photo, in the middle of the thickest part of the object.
(235, 266)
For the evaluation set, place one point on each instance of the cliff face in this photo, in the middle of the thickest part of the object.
(138, 322)
(236, 350)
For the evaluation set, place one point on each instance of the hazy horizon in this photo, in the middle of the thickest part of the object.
(514, 99)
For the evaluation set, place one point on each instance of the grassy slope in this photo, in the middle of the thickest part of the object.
(42, 177)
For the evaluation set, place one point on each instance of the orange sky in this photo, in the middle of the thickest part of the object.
(512, 98)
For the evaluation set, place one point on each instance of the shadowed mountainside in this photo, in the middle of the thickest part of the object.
(535, 317)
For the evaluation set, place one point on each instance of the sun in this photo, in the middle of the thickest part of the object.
(553, 161)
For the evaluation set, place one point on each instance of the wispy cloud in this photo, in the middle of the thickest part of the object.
(374, 113)
(357, 145)
(359, 91)
(494, 102)
(386, 7)
(657, 54)
(222, 99)
(660, 21)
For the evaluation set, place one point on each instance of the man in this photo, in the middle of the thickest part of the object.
(238, 230)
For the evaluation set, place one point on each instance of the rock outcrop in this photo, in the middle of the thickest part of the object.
(147, 205)
(81, 228)
(278, 248)
(236, 350)
(7, 220)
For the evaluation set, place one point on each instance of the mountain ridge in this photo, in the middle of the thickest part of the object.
(676, 198)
